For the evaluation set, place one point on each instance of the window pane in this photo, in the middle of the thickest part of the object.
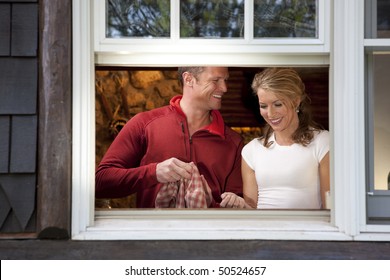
(383, 19)
(135, 18)
(378, 136)
(212, 19)
(377, 18)
(285, 18)
(381, 121)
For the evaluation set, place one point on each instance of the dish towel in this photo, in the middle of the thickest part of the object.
(185, 193)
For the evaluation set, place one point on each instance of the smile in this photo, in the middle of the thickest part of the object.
(275, 121)
(217, 96)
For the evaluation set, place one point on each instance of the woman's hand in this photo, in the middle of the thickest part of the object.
(231, 200)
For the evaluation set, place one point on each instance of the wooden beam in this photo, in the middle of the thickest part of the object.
(55, 130)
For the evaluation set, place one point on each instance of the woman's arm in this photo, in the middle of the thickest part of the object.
(324, 178)
(231, 200)
(249, 185)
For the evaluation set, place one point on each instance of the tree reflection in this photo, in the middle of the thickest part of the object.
(383, 19)
(285, 18)
(212, 19)
(138, 18)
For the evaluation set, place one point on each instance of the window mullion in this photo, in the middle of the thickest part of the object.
(175, 20)
(248, 17)
(83, 115)
(348, 116)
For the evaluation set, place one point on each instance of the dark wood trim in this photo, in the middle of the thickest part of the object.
(18, 236)
(194, 250)
(55, 119)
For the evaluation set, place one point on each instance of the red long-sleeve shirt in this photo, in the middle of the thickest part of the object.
(151, 137)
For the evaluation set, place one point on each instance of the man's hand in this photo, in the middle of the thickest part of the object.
(172, 170)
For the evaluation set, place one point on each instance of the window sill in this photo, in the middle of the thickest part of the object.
(211, 225)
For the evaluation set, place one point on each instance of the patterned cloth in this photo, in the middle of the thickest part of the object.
(186, 193)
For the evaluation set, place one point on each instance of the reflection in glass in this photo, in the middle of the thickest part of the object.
(212, 19)
(136, 18)
(381, 121)
(383, 19)
(285, 18)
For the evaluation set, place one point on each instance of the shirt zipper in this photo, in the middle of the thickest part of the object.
(189, 137)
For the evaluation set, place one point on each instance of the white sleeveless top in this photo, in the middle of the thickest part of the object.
(287, 176)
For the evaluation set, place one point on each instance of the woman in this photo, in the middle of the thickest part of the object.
(288, 167)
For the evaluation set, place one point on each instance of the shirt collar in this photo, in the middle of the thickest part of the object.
(217, 125)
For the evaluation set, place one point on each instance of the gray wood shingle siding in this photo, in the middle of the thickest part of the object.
(18, 115)
(24, 39)
(4, 145)
(23, 144)
(19, 81)
(5, 30)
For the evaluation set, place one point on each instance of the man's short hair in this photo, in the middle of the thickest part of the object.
(195, 71)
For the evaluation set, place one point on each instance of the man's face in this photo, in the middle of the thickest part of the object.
(210, 86)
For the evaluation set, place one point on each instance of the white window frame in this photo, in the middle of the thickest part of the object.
(377, 200)
(242, 51)
(347, 218)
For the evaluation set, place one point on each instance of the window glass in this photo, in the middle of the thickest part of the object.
(377, 27)
(215, 19)
(134, 18)
(212, 19)
(292, 19)
(377, 18)
(383, 19)
(381, 120)
(378, 138)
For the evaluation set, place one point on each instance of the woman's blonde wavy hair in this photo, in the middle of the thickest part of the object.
(287, 85)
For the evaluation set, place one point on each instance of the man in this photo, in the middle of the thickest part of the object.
(162, 146)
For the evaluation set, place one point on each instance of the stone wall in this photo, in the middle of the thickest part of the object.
(119, 96)
(122, 94)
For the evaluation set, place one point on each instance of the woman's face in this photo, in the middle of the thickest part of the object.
(277, 112)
